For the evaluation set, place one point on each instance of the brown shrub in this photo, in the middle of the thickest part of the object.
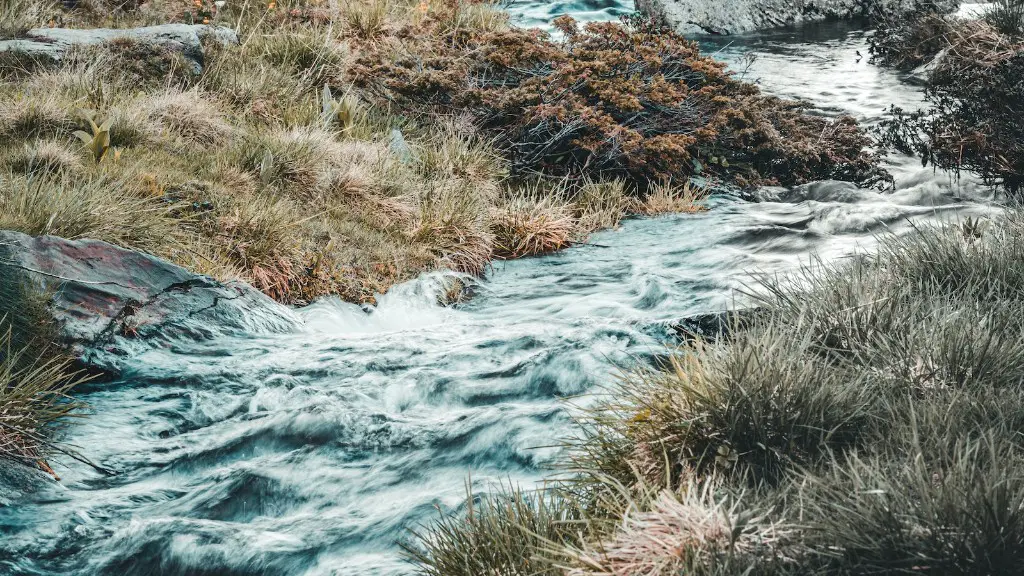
(611, 100)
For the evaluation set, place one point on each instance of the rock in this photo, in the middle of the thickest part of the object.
(739, 16)
(109, 302)
(51, 43)
(712, 326)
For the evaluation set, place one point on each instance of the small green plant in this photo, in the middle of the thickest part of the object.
(98, 143)
(267, 168)
(341, 112)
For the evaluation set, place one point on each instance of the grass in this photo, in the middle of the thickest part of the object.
(508, 532)
(1007, 16)
(270, 166)
(868, 419)
(36, 377)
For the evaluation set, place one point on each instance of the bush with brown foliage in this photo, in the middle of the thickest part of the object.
(610, 100)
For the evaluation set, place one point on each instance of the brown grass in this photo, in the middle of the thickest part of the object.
(529, 226)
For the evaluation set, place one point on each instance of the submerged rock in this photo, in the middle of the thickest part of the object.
(712, 326)
(108, 301)
(738, 16)
(51, 43)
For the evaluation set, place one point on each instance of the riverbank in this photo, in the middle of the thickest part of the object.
(866, 418)
(309, 161)
(387, 409)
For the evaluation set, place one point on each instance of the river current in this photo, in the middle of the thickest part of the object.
(314, 452)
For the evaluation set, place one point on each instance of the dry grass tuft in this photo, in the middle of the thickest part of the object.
(34, 401)
(526, 225)
(100, 207)
(260, 236)
(453, 221)
(44, 156)
(600, 205)
(666, 198)
(679, 535)
(191, 116)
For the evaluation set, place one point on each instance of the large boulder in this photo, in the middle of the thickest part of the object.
(52, 43)
(108, 301)
(739, 16)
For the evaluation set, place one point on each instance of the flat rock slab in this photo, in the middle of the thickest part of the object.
(108, 300)
(52, 43)
(739, 16)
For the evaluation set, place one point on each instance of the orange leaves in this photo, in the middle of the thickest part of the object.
(626, 100)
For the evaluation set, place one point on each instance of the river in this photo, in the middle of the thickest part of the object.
(314, 452)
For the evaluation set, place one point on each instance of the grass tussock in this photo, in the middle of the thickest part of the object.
(866, 419)
(526, 224)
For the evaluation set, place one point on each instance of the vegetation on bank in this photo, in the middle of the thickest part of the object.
(972, 70)
(868, 419)
(343, 148)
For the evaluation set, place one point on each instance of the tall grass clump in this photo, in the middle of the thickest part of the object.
(527, 224)
(36, 376)
(511, 532)
(102, 208)
(959, 513)
(754, 407)
(34, 402)
(1007, 16)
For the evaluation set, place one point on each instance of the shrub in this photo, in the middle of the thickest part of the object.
(633, 101)
(973, 93)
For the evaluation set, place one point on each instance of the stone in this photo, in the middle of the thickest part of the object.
(110, 302)
(713, 326)
(52, 43)
(739, 16)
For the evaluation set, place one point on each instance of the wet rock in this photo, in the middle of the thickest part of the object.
(739, 16)
(51, 43)
(109, 302)
(712, 326)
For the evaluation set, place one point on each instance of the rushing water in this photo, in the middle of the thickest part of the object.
(314, 452)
